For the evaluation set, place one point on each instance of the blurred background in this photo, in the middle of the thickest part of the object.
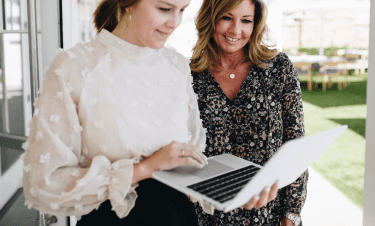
(327, 41)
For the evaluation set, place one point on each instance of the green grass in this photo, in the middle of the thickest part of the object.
(354, 94)
(342, 163)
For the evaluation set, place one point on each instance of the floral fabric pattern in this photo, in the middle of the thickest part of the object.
(266, 112)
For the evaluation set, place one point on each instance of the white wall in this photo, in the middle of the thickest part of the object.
(369, 187)
(275, 23)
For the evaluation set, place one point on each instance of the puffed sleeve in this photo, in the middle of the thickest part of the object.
(198, 133)
(196, 130)
(293, 195)
(54, 179)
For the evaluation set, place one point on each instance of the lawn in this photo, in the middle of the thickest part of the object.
(342, 163)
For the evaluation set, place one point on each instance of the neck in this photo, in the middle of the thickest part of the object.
(122, 31)
(231, 61)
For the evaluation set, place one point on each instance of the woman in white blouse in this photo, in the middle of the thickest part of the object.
(111, 112)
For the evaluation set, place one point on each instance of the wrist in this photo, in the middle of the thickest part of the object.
(292, 219)
(142, 170)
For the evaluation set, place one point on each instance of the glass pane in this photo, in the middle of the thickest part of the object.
(12, 69)
(12, 12)
(8, 156)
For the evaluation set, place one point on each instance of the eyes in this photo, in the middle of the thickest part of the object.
(165, 10)
(245, 21)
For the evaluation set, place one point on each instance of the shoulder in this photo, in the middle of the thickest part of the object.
(281, 65)
(79, 57)
(280, 60)
(176, 59)
(87, 52)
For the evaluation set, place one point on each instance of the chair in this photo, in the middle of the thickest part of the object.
(334, 70)
(304, 73)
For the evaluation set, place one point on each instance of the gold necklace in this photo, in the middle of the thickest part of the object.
(232, 75)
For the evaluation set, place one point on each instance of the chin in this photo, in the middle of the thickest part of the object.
(232, 50)
(156, 45)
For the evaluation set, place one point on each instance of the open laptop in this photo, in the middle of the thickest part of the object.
(228, 182)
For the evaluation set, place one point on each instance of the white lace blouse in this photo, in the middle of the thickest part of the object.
(105, 105)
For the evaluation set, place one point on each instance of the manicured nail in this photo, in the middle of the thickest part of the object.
(256, 197)
(267, 188)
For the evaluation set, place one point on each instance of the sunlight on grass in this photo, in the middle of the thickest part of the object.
(342, 164)
(354, 94)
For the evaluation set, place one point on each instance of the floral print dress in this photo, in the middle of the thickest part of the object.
(266, 112)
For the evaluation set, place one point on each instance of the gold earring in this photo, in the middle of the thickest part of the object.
(128, 18)
(118, 14)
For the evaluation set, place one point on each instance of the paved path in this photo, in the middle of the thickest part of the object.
(327, 206)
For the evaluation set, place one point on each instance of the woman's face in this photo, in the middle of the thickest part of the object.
(152, 21)
(233, 30)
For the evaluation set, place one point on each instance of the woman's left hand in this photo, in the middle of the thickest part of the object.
(265, 197)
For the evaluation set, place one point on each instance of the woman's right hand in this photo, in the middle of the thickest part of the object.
(176, 154)
(171, 156)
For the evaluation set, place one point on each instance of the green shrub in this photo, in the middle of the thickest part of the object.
(309, 51)
(315, 50)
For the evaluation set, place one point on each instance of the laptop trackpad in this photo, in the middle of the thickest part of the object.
(211, 169)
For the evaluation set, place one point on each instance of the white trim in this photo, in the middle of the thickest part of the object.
(10, 182)
(50, 25)
(26, 88)
(369, 186)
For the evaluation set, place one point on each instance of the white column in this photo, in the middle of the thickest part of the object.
(369, 187)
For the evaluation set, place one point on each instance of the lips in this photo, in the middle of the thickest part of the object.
(164, 33)
(231, 39)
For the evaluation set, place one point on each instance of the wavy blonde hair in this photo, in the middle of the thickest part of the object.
(206, 53)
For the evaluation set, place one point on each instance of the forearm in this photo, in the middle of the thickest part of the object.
(143, 170)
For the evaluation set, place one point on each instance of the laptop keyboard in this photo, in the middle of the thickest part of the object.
(224, 187)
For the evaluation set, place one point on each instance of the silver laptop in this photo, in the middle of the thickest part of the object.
(228, 182)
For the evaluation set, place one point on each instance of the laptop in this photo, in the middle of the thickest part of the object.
(228, 182)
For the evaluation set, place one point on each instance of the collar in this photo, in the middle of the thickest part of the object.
(129, 49)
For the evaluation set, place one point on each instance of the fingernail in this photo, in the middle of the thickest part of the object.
(267, 188)
(256, 197)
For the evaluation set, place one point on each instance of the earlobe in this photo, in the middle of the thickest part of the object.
(129, 9)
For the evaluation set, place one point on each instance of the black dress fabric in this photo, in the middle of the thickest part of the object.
(266, 113)
(156, 205)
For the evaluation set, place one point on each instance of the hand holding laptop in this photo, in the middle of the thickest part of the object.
(228, 182)
(265, 197)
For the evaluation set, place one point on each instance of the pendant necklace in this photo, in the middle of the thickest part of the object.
(232, 75)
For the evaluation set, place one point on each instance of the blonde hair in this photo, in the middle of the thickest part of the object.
(206, 53)
(109, 12)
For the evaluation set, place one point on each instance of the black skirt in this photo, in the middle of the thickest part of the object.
(157, 204)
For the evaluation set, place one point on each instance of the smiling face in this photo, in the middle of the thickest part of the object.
(234, 30)
(153, 21)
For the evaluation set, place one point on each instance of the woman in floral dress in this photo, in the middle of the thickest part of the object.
(250, 101)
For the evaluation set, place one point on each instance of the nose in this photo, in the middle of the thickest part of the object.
(235, 28)
(174, 20)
